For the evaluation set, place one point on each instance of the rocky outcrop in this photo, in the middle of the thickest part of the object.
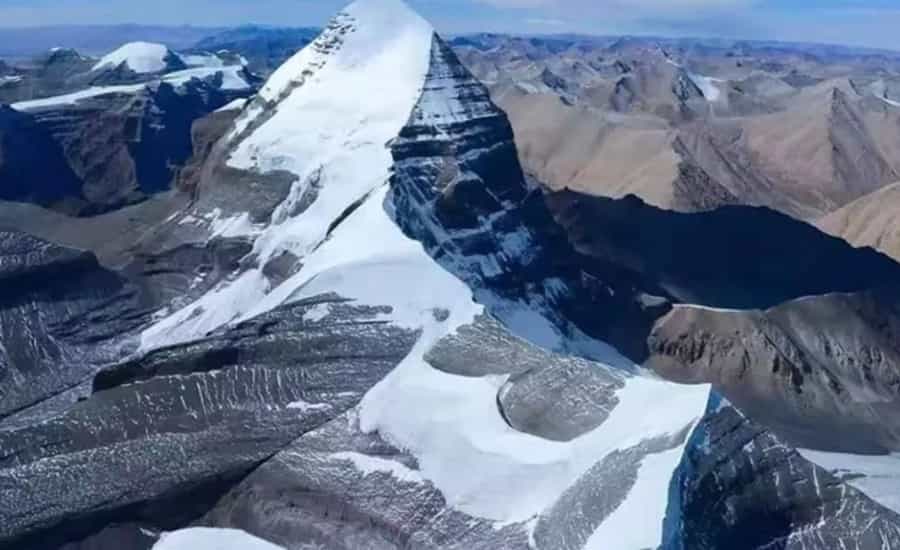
(192, 420)
(126, 147)
(548, 395)
(56, 72)
(33, 167)
(741, 487)
(205, 133)
(810, 363)
(61, 318)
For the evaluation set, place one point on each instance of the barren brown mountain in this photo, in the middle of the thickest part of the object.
(694, 130)
(873, 220)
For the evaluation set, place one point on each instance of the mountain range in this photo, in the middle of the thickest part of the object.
(486, 293)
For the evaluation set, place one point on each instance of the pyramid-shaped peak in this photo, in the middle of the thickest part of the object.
(381, 20)
(365, 34)
(385, 16)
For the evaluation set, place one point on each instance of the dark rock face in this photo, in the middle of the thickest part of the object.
(33, 167)
(191, 419)
(61, 317)
(205, 133)
(125, 147)
(740, 487)
(459, 189)
(695, 189)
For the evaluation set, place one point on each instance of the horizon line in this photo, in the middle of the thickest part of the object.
(648, 35)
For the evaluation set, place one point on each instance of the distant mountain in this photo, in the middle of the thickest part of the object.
(265, 48)
(141, 58)
(21, 44)
(86, 136)
(692, 125)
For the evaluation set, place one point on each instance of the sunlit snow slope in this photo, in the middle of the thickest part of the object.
(140, 57)
(211, 539)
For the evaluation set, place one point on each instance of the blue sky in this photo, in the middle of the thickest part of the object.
(859, 22)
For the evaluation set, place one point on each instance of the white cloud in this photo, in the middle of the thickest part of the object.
(545, 22)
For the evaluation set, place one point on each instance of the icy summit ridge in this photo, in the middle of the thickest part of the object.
(140, 57)
(324, 120)
(360, 32)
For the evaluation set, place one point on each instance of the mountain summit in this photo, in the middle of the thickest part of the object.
(141, 57)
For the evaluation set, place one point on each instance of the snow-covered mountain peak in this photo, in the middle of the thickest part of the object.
(364, 33)
(140, 57)
(393, 183)
(326, 116)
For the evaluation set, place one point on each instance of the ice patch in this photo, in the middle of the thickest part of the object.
(706, 308)
(203, 538)
(235, 226)
(370, 464)
(232, 80)
(708, 86)
(303, 406)
(71, 99)
(880, 90)
(232, 77)
(235, 105)
(202, 60)
(317, 313)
